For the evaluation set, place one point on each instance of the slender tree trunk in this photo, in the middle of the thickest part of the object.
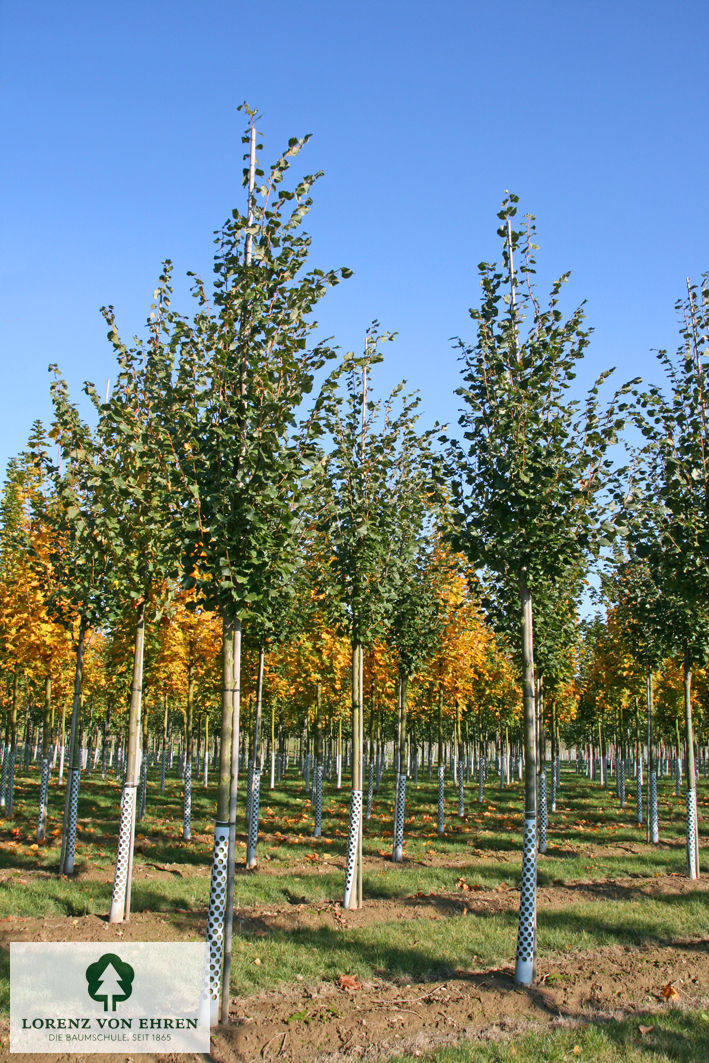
(8, 795)
(233, 793)
(653, 833)
(206, 750)
(163, 753)
(527, 932)
(370, 757)
(542, 814)
(441, 823)
(692, 824)
(460, 758)
(318, 771)
(360, 857)
(220, 854)
(5, 752)
(71, 798)
(355, 826)
(189, 752)
(400, 803)
(273, 744)
(638, 767)
(62, 747)
(120, 901)
(255, 773)
(44, 767)
(143, 788)
(554, 754)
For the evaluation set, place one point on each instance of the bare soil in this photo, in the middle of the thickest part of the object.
(328, 1022)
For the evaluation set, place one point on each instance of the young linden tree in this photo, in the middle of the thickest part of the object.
(529, 473)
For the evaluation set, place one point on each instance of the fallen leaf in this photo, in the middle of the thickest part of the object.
(349, 981)
(645, 1029)
(669, 992)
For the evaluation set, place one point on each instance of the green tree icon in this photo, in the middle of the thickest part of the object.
(110, 980)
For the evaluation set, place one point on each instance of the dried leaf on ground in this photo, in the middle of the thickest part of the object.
(349, 981)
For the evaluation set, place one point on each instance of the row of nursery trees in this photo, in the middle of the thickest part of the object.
(241, 505)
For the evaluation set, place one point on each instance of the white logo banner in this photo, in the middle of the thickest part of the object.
(102, 997)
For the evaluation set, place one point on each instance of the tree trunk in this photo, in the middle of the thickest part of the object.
(527, 932)
(273, 744)
(360, 855)
(653, 833)
(255, 774)
(44, 767)
(206, 750)
(400, 803)
(441, 823)
(163, 753)
(120, 901)
(71, 799)
(220, 853)
(189, 752)
(8, 795)
(233, 792)
(355, 826)
(317, 787)
(143, 789)
(692, 824)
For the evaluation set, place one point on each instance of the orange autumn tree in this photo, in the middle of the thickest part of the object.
(469, 674)
(183, 671)
(311, 684)
(611, 684)
(35, 649)
(449, 675)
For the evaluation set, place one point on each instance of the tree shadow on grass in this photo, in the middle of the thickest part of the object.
(631, 925)
(177, 852)
(337, 952)
(682, 1036)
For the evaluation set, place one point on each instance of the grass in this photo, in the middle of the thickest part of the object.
(593, 843)
(586, 817)
(416, 949)
(672, 1036)
(483, 848)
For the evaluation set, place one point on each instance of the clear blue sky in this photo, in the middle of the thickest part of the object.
(121, 146)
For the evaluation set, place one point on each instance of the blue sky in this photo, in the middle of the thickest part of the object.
(121, 145)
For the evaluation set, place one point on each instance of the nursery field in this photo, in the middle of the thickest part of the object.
(425, 969)
(246, 550)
